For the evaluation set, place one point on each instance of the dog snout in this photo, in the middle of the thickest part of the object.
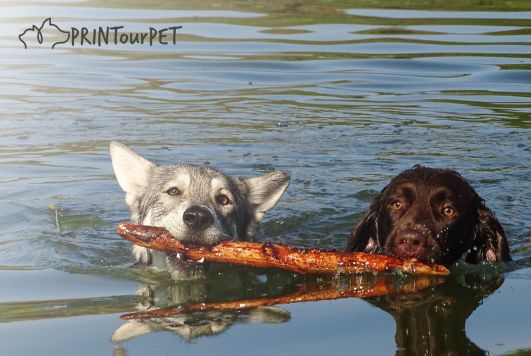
(198, 218)
(410, 243)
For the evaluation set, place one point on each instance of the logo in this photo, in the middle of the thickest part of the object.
(49, 33)
(35, 32)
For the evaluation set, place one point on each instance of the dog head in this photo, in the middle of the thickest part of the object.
(196, 204)
(433, 215)
(192, 326)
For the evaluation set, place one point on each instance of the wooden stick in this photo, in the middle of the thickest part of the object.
(303, 261)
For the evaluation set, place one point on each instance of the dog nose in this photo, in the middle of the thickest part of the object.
(198, 218)
(410, 243)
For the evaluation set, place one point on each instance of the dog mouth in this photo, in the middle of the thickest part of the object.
(184, 268)
(180, 266)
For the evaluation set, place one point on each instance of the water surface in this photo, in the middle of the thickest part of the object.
(343, 96)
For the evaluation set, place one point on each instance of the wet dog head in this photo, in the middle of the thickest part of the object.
(196, 204)
(433, 215)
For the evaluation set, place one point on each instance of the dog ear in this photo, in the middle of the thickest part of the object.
(490, 243)
(263, 192)
(268, 315)
(132, 171)
(364, 238)
(130, 330)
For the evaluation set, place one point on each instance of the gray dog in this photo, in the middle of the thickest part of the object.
(196, 204)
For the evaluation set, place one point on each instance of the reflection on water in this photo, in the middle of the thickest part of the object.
(430, 313)
(208, 307)
(344, 98)
(433, 321)
(233, 285)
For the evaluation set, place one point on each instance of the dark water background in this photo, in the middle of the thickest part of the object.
(342, 95)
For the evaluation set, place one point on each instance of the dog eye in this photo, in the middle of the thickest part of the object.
(396, 205)
(223, 199)
(173, 191)
(449, 211)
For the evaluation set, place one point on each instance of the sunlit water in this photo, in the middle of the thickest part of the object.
(343, 99)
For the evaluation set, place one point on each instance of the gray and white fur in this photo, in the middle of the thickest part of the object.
(196, 204)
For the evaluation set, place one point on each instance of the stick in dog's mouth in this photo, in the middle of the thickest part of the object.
(298, 260)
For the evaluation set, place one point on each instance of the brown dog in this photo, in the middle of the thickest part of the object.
(433, 215)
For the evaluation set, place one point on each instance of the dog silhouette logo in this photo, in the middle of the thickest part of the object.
(35, 32)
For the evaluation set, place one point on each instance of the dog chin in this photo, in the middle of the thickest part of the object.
(182, 268)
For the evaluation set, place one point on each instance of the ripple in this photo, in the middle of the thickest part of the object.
(342, 102)
(418, 14)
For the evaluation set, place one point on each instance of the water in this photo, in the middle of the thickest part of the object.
(343, 98)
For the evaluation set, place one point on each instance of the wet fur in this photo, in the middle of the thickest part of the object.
(147, 194)
(474, 232)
